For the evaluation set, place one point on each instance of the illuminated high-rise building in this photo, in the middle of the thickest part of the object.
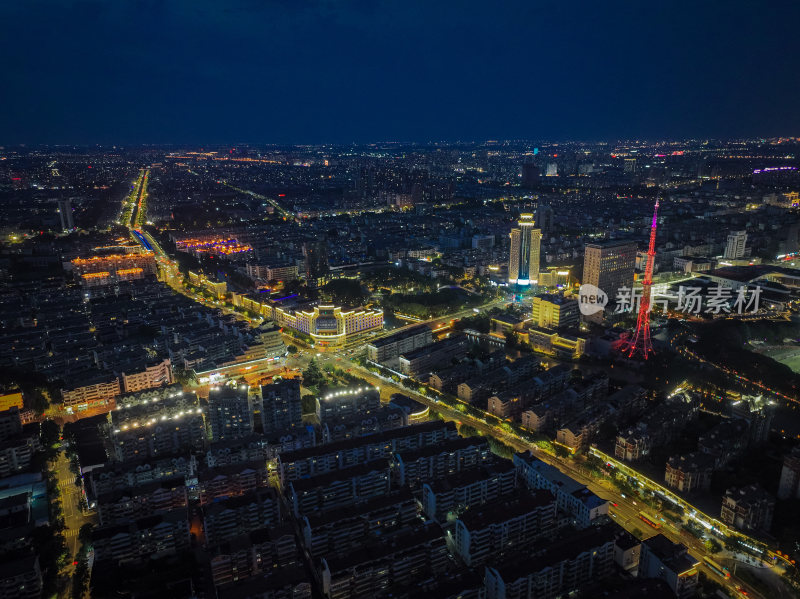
(523, 262)
(609, 266)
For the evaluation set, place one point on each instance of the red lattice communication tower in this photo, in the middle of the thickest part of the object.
(641, 343)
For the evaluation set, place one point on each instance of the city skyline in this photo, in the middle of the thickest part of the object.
(367, 299)
(211, 347)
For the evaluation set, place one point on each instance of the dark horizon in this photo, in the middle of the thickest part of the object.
(420, 143)
(91, 73)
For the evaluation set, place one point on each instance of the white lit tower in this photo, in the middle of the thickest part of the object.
(523, 260)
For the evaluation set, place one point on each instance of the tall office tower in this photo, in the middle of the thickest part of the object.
(230, 413)
(523, 261)
(316, 255)
(65, 213)
(735, 246)
(630, 165)
(552, 169)
(609, 265)
(530, 174)
(281, 407)
(544, 218)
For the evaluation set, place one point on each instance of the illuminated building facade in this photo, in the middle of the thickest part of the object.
(284, 272)
(609, 266)
(107, 270)
(554, 312)
(101, 391)
(330, 326)
(148, 425)
(215, 288)
(153, 375)
(226, 247)
(11, 399)
(523, 261)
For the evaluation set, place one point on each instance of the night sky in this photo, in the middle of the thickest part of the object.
(296, 71)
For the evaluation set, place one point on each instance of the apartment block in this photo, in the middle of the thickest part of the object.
(504, 527)
(235, 451)
(690, 472)
(230, 481)
(156, 374)
(281, 406)
(632, 445)
(273, 272)
(144, 500)
(10, 423)
(291, 582)
(228, 518)
(102, 389)
(671, 562)
(416, 467)
(338, 489)
(257, 552)
(789, 483)
(230, 413)
(331, 457)
(115, 476)
(424, 359)
(343, 530)
(467, 489)
(573, 498)
(387, 350)
(393, 561)
(562, 569)
(147, 538)
(748, 508)
(17, 453)
(165, 426)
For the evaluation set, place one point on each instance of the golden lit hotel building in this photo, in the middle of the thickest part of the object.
(523, 259)
(330, 326)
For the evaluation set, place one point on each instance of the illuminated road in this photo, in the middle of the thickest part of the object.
(281, 210)
(135, 205)
(73, 517)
